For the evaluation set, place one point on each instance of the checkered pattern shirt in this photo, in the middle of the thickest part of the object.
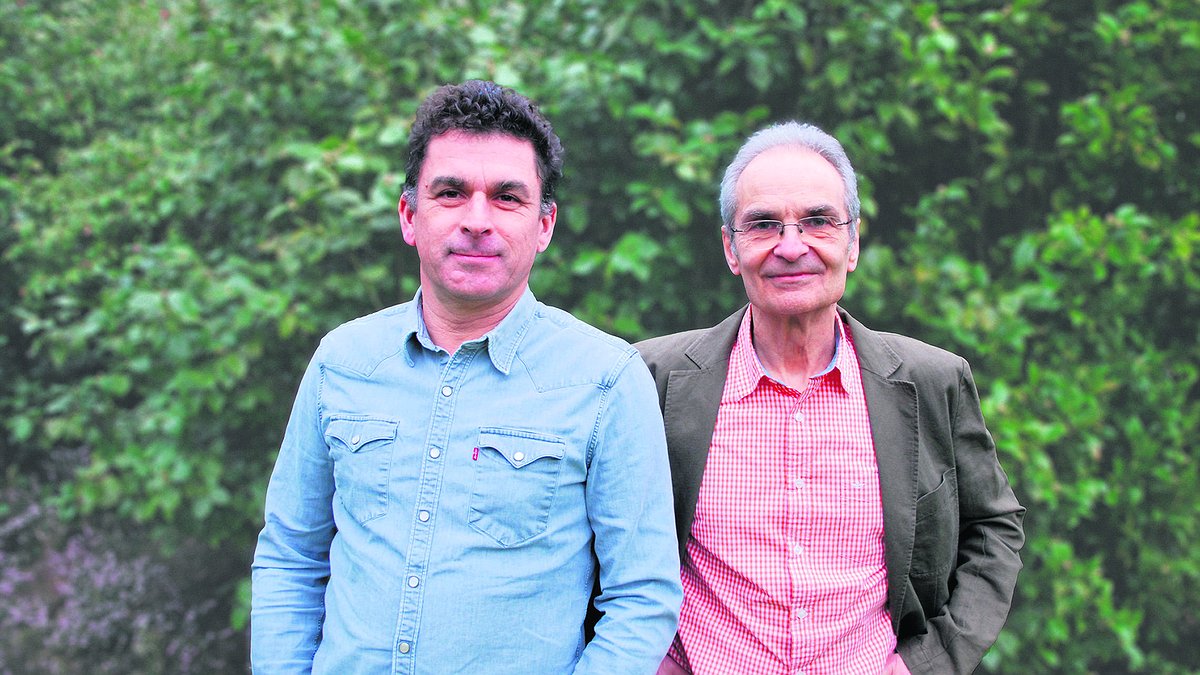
(787, 571)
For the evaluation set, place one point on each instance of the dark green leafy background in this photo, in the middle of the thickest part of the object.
(193, 192)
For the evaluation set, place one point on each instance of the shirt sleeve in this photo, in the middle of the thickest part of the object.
(291, 561)
(989, 541)
(631, 514)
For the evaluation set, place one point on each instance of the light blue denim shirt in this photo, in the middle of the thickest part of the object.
(448, 513)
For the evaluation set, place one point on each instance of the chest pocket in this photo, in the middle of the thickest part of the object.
(361, 449)
(516, 479)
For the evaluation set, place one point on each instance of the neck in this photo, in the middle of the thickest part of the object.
(450, 325)
(794, 348)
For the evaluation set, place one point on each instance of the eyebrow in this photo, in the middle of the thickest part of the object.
(758, 214)
(768, 214)
(823, 210)
(517, 187)
(447, 182)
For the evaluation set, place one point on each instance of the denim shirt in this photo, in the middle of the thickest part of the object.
(444, 513)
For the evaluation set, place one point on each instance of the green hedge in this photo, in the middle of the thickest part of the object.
(192, 193)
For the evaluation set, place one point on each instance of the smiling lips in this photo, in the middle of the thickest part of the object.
(474, 252)
(787, 272)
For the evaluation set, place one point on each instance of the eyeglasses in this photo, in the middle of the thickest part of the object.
(762, 231)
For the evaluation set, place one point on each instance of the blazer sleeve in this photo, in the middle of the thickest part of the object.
(982, 574)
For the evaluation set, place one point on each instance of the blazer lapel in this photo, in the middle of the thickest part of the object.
(690, 406)
(892, 410)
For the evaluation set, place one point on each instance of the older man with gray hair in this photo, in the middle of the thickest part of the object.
(838, 500)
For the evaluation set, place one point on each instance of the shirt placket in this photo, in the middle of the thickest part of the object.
(799, 624)
(445, 399)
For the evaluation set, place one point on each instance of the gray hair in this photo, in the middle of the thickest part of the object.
(790, 134)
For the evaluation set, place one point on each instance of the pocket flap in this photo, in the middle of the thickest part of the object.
(521, 448)
(357, 434)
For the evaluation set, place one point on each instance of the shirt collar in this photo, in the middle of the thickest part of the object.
(500, 343)
(746, 370)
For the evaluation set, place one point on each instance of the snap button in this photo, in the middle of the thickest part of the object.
(447, 390)
(413, 582)
(518, 456)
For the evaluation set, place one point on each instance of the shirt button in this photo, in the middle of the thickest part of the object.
(799, 416)
(424, 516)
(355, 439)
(435, 453)
(797, 549)
(518, 456)
(413, 582)
(803, 613)
(800, 482)
(405, 647)
(447, 390)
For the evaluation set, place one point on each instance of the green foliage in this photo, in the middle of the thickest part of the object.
(192, 193)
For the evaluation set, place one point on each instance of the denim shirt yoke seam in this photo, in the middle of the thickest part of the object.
(606, 385)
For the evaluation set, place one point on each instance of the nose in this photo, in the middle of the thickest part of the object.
(477, 217)
(791, 244)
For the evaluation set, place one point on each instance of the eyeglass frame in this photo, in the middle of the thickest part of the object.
(781, 226)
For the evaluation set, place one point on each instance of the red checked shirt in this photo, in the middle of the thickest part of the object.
(787, 570)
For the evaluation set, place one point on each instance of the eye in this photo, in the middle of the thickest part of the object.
(762, 226)
(817, 222)
(449, 193)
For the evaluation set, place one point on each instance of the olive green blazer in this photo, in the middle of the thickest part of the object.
(952, 525)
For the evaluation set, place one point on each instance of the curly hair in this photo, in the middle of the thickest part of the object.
(483, 107)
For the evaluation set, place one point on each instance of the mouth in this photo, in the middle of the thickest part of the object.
(791, 275)
(474, 254)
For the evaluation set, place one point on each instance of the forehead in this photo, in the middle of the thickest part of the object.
(471, 157)
(790, 181)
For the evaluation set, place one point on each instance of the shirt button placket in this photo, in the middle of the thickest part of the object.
(428, 492)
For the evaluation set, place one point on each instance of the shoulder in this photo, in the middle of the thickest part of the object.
(362, 344)
(921, 354)
(560, 348)
(697, 348)
(561, 328)
(896, 355)
(670, 350)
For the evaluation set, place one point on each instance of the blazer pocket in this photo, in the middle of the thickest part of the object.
(936, 546)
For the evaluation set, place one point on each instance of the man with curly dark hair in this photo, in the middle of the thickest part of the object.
(460, 472)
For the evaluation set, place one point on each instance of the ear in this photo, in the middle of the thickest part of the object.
(852, 260)
(731, 258)
(546, 226)
(407, 212)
